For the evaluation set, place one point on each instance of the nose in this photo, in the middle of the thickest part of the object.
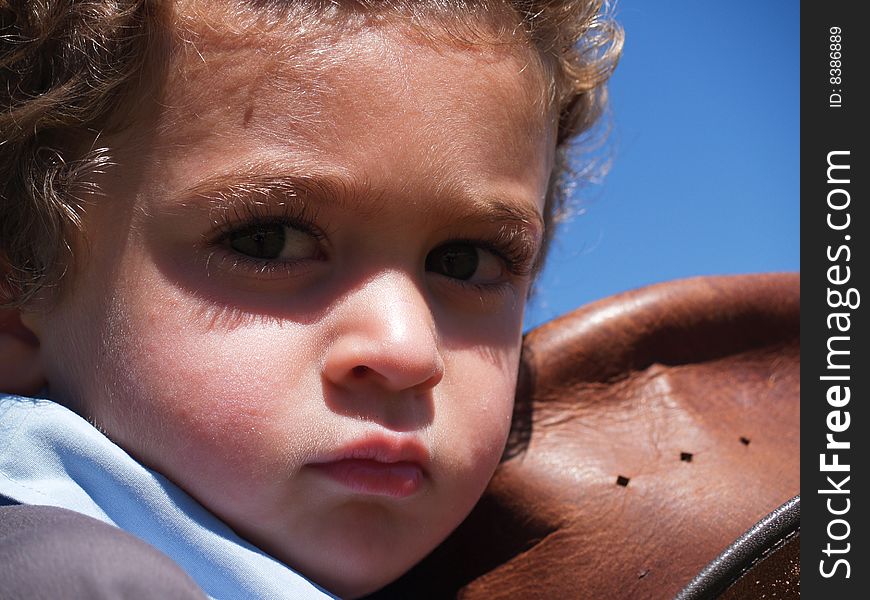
(385, 336)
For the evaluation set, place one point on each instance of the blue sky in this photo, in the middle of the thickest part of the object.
(705, 155)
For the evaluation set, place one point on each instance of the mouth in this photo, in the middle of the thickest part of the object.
(377, 466)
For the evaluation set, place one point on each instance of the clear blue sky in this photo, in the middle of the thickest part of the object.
(705, 149)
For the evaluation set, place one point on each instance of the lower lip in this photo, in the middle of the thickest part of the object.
(395, 480)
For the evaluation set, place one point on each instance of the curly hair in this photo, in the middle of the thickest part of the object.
(68, 69)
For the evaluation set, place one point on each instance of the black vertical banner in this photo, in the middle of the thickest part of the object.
(835, 369)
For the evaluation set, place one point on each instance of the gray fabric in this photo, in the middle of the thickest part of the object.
(49, 553)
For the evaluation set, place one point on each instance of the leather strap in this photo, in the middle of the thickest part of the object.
(742, 561)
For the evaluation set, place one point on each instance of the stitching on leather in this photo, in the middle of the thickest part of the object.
(765, 553)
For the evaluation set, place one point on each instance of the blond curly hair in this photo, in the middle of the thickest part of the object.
(68, 69)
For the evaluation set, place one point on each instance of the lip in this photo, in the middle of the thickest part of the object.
(376, 466)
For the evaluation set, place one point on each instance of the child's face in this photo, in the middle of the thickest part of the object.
(301, 296)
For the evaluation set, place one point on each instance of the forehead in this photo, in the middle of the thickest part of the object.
(392, 117)
(291, 76)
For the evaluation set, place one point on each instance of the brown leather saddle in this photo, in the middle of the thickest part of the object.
(654, 454)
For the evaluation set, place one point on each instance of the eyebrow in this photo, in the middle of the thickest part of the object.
(224, 190)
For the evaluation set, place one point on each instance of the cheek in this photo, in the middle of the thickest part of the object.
(478, 405)
(202, 400)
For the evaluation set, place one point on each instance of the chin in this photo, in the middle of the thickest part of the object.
(361, 564)
(350, 590)
(348, 582)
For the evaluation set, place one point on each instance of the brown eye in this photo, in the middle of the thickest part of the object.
(259, 241)
(466, 261)
(273, 241)
(458, 261)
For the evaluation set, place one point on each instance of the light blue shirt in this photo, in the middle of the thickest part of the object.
(50, 456)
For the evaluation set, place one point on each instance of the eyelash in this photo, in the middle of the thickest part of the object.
(507, 247)
(247, 215)
(510, 251)
(515, 253)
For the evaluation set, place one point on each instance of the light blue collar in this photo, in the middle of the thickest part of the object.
(51, 456)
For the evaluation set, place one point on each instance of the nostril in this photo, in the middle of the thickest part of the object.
(360, 371)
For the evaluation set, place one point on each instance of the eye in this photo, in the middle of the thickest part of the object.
(273, 241)
(466, 261)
